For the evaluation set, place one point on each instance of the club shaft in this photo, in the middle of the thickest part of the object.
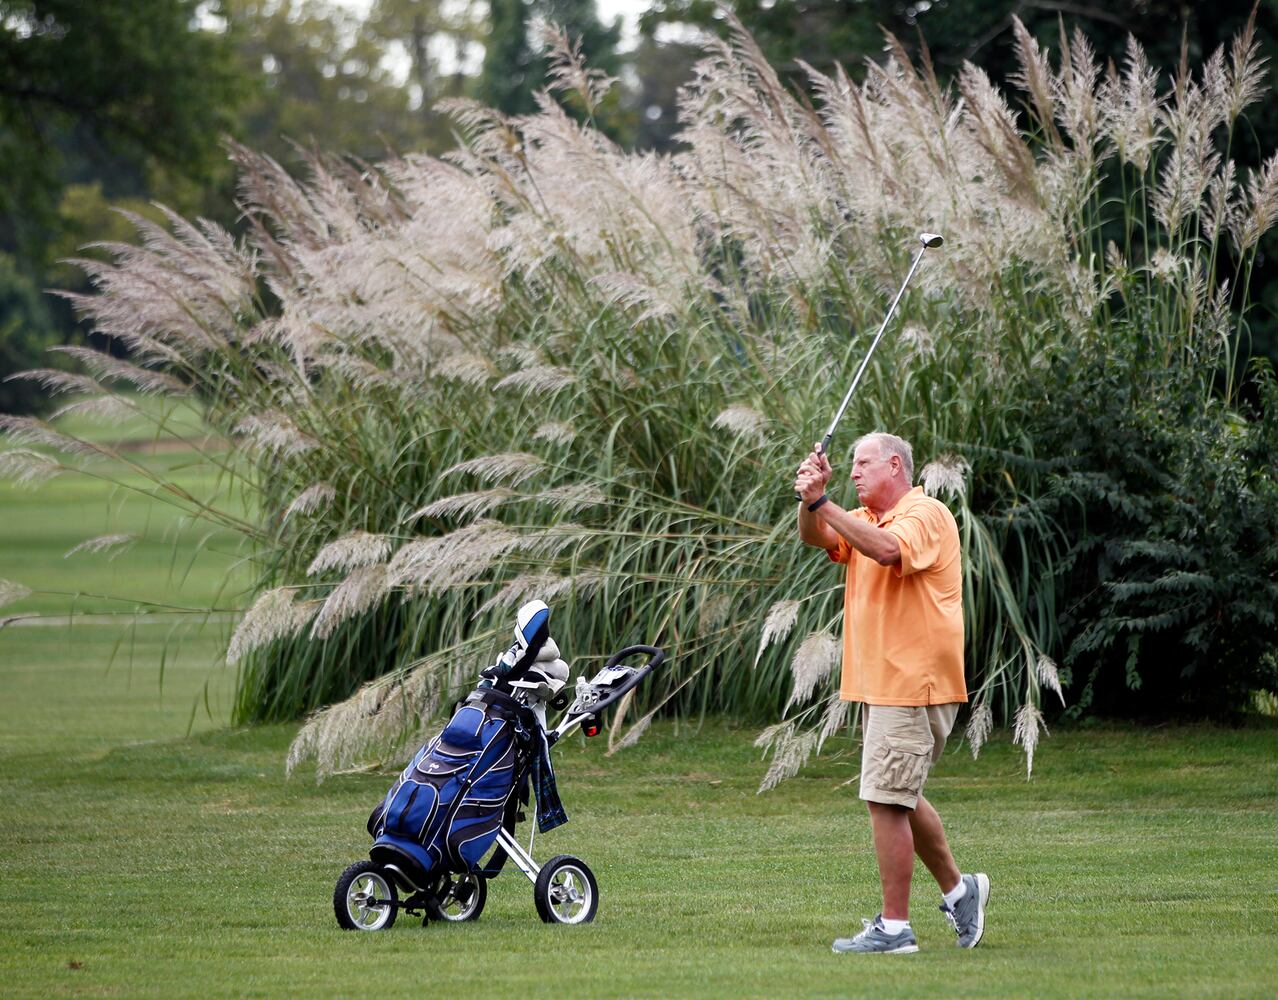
(825, 442)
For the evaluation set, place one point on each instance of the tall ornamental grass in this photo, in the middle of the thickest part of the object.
(542, 366)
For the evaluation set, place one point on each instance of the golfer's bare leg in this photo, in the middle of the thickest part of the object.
(894, 846)
(931, 846)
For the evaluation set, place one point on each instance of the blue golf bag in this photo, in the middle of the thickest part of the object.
(450, 801)
(463, 793)
(448, 804)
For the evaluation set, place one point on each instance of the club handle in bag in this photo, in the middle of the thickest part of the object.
(525, 663)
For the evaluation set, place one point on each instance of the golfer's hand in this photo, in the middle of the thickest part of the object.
(808, 487)
(823, 463)
(818, 464)
(813, 475)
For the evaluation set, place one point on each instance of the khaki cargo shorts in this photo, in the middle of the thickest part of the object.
(901, 743)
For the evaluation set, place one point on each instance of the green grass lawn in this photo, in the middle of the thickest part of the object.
(142, 862)
(94, 687)
(174, 560)
(150, 851)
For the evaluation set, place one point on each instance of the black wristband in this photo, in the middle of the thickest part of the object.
(812, 507)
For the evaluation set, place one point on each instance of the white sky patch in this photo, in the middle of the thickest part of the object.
(449, 60)
(628, 11)
(467, 57)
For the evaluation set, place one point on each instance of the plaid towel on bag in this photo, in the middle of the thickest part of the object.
(550, 811)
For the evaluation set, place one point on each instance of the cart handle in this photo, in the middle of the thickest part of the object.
(656, 656)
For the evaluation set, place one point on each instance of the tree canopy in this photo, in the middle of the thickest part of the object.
(110, 90)
(514, 68)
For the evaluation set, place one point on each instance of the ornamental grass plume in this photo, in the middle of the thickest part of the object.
(945, 474)
(815, 660)
(743, 421)
(511, 468)
(38, 433)
(362, 588)
(980, 723)
(541, 365)
(113, 543)
(274, 615)
(27, 467)
(1025, 733)
(314, 498)
(359, 548)
(777, 625)
(11, 592)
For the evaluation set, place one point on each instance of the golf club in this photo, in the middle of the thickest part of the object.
(927, 241)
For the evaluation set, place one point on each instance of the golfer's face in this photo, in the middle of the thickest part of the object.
(871, 473)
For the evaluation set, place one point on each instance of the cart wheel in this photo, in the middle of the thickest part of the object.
(461, 898)
(566, 891)
(365, 898)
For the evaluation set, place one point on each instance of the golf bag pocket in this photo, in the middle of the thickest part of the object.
(411, 808)
(471, 834)
(465, 731)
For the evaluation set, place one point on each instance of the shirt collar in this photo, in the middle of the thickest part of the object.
(907, 500)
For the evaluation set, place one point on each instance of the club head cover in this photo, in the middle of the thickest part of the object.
(532, 632)
(532, 629)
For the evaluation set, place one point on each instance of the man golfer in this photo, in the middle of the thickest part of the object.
(903, 660)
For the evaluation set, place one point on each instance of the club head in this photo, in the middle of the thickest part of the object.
(931, 240)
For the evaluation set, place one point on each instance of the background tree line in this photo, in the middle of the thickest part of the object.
(125, 102)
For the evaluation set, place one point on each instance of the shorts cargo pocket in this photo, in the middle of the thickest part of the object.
(904, 765)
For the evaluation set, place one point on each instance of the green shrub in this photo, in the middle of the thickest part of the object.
(1169, 581)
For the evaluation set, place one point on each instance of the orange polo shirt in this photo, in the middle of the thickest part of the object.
(903, 624)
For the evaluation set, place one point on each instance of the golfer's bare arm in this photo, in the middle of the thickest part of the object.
(829, 522)
(833, 522)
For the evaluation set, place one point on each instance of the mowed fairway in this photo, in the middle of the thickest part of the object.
(1135, 864)
(150, 851)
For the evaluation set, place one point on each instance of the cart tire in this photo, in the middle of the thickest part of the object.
(365, 898)
(566, 891)
(464, 899)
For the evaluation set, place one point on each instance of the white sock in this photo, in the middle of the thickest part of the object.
(894, 926)
(955, 894)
